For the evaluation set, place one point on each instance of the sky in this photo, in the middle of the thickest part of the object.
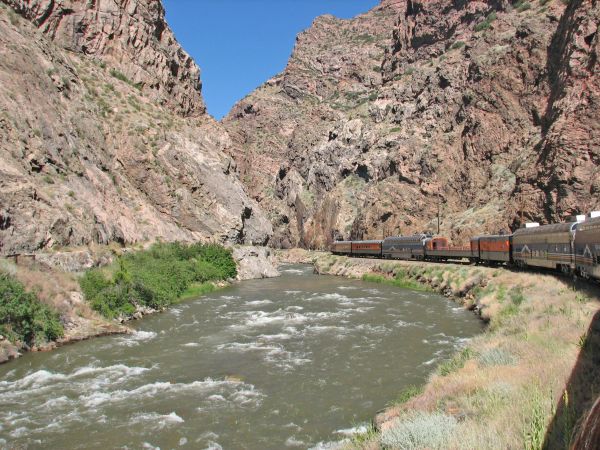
(240, 44)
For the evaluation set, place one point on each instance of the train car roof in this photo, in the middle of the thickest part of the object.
(342, 242)
(414, 237)
(492, 236)
(372, 241)
(581, 226)
(554, 228)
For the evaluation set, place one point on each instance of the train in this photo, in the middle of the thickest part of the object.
(572, 248)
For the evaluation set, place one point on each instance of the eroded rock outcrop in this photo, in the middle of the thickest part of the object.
(485, 111)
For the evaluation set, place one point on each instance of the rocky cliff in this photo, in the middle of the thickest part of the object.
(485, 111)
(104, 135)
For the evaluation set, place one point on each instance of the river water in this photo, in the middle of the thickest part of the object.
(296, 361)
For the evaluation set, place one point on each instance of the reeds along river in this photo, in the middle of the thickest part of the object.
(296, 361)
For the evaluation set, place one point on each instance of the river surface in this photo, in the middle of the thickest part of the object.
(296, 361)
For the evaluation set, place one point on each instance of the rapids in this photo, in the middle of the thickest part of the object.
(298, 361)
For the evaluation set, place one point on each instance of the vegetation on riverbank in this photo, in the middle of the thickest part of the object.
(399, 279)
(23, 318)
(524, 383)
(157, 277)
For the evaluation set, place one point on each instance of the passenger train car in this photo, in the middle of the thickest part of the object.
(572, 247)
(549, 246)
(491, 249)
(404, 247)
(587, 249)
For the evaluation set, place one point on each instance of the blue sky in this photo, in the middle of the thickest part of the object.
(239, 44)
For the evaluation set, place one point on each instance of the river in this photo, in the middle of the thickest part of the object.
(297, 361)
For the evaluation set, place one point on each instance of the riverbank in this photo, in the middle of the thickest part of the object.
(54, 279)
(524, 383)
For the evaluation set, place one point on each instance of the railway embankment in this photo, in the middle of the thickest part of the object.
(523, 383)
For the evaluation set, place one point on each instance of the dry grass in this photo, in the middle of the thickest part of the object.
(61, 291)
(506, 388)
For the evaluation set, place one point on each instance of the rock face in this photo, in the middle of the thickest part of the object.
(484, 111)
(103, 135)
(569, 169)
(129, 35)
(254, 262)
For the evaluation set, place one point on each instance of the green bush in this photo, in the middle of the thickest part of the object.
(23, 317)
(522, 5)
(205, 271)
(157, 277)
(484, 25)
(458, 44)
(487, 23)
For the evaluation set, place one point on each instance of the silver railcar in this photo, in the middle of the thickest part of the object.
(549, 246)
(404, 247)
(587, 248)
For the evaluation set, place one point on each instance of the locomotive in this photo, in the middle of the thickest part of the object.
(572, 248)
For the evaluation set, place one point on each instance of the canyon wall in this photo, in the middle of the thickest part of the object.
(484, 112)
(104, 135)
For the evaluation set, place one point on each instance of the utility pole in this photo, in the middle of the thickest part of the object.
(521, 206)
(438, 227)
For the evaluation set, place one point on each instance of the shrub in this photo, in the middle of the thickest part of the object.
(496, 357)
(119, 76)
(522, 5)
(483, 25)
(93, 282)
(516, 295)
(157, 277)
(457, 44)
(205, 271)
(23, 317)
(487, 22)
(419, 430)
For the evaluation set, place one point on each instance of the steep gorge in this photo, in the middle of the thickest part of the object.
(483, 110)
